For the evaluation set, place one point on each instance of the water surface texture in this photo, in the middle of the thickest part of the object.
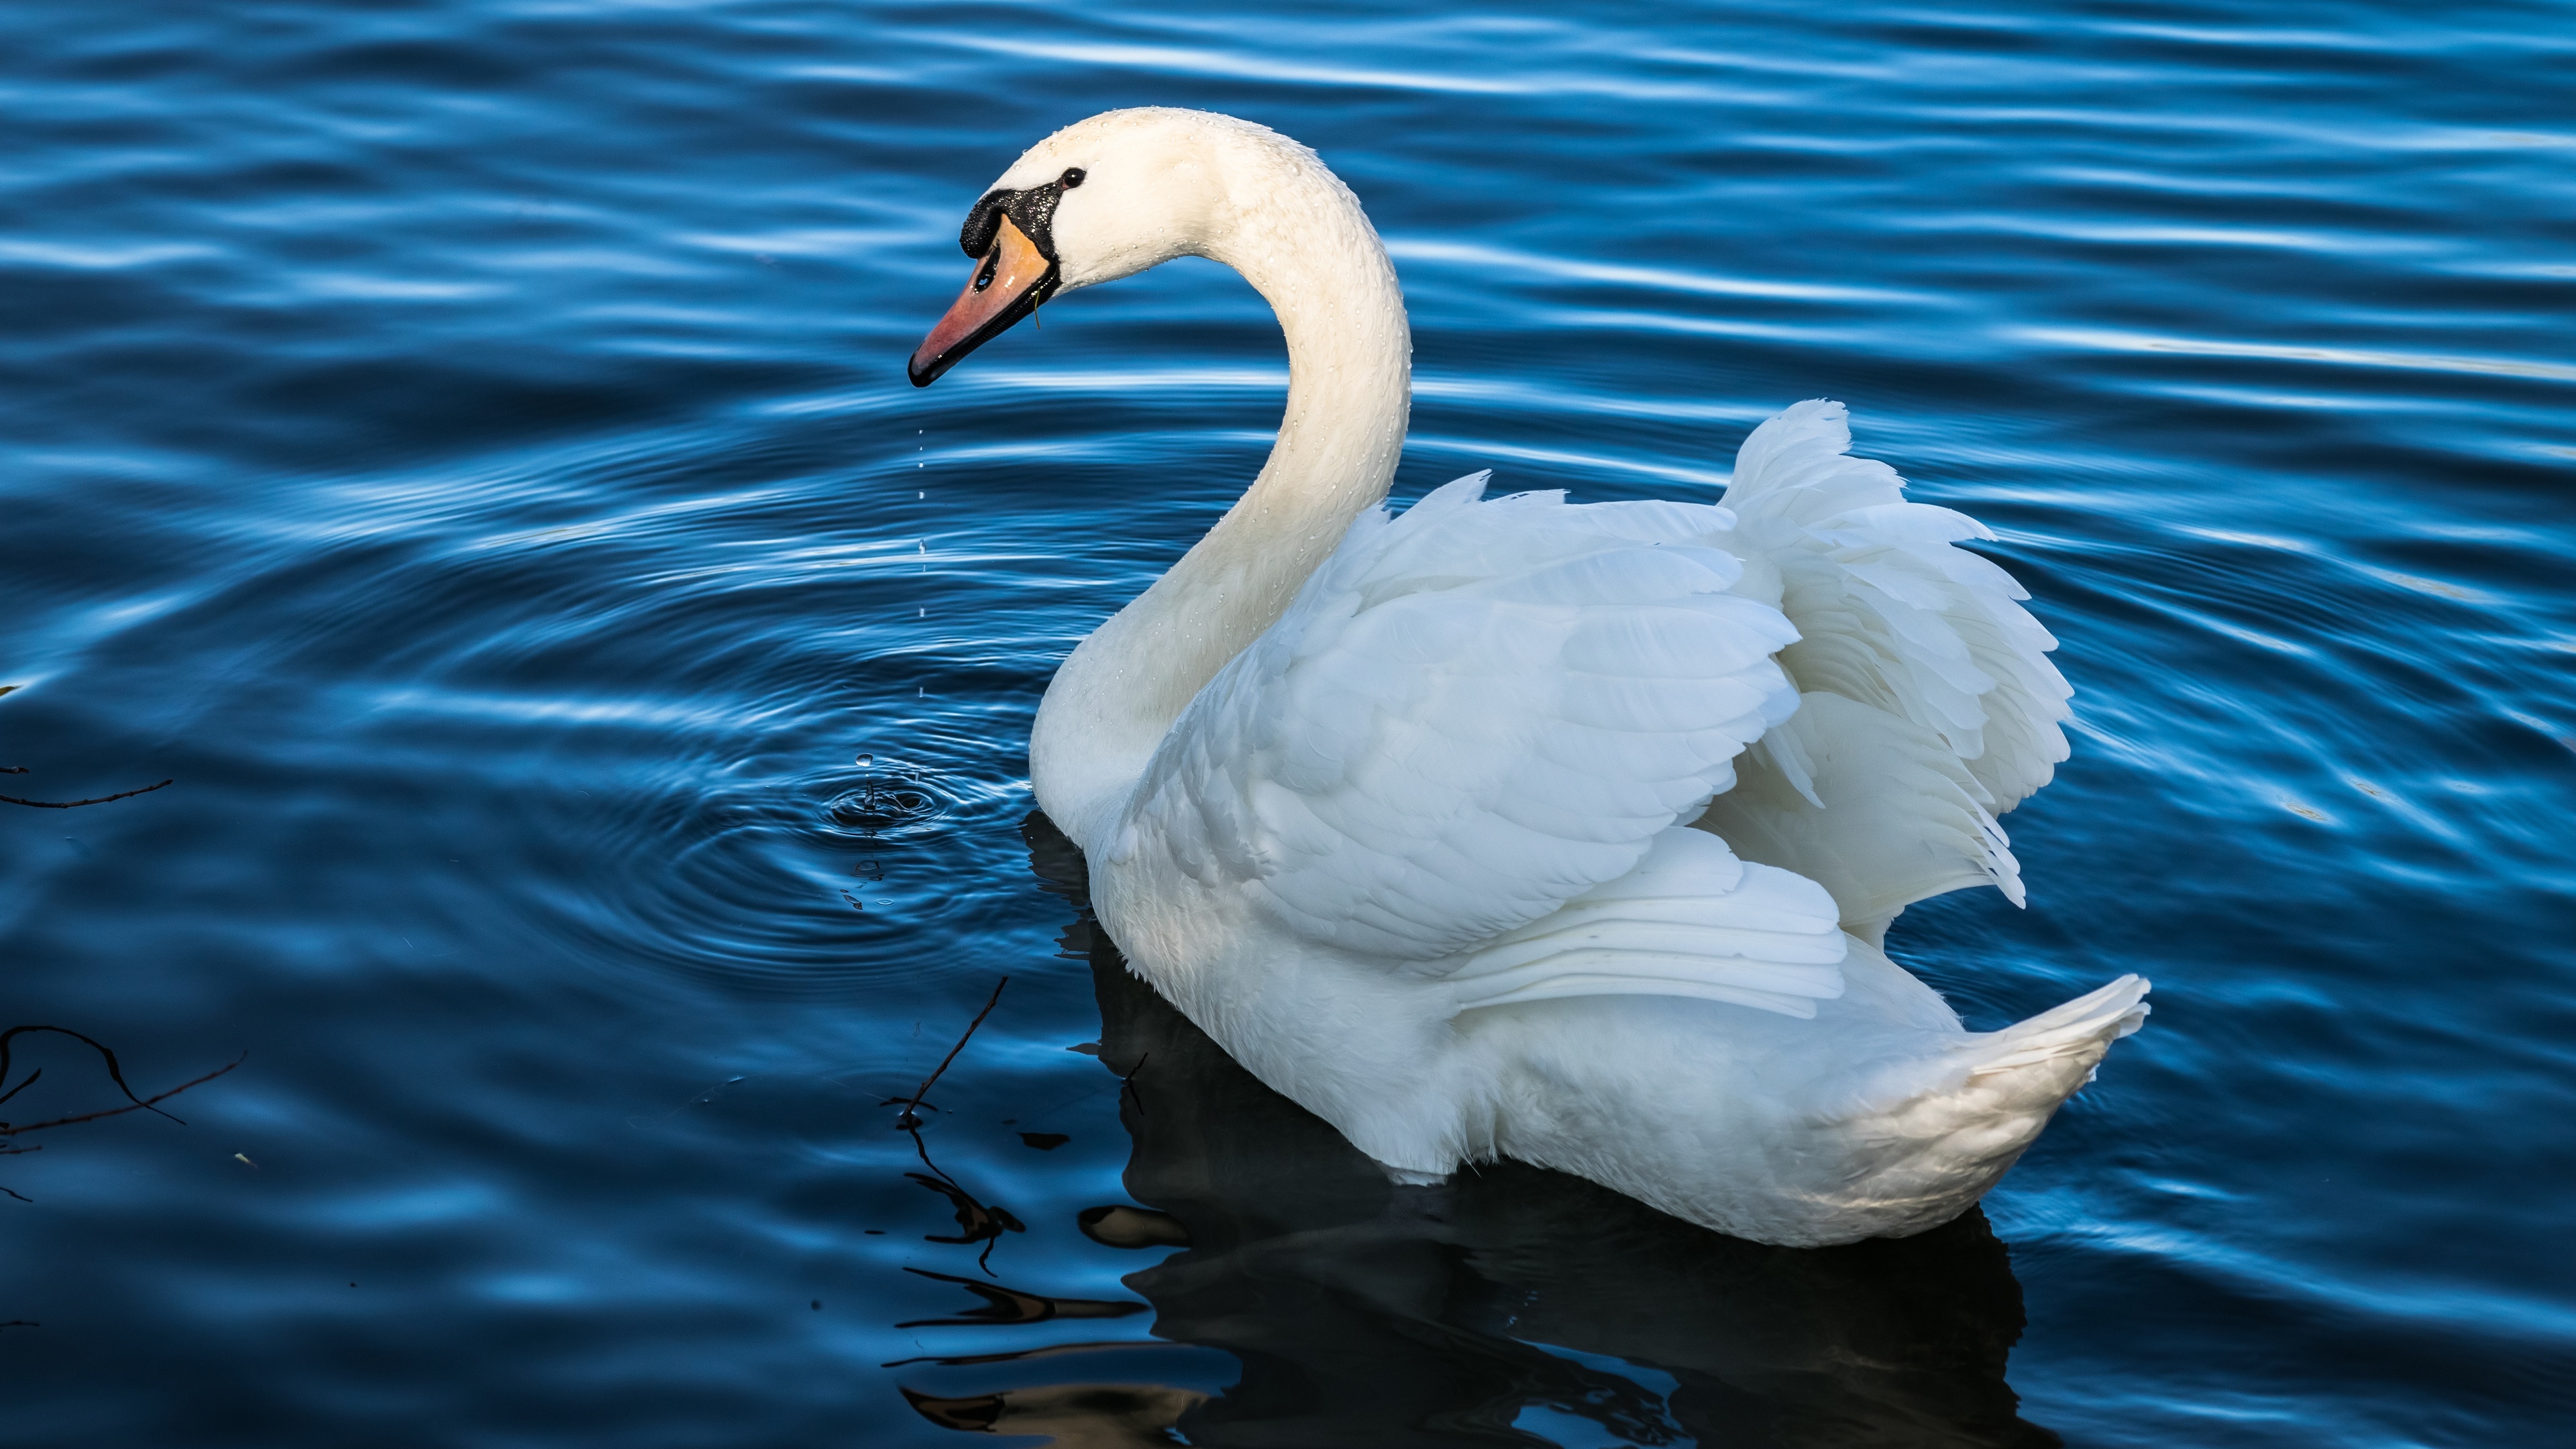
(465, 444)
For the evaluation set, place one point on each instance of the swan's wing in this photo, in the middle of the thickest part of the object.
(1690, 920)
(1469, 715)
(1868, 804)
(1944, 711)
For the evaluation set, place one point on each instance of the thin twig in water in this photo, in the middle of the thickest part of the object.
(141, 1106)
(76, 804)
(979, 1221)
(115, 1073)
(911, 1116)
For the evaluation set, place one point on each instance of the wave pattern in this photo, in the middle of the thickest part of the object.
(465, 444)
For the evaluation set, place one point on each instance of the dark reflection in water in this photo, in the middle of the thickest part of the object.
(1369, 1314)
(1012, 1305)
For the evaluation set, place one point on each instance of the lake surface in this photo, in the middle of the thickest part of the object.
(466, 446)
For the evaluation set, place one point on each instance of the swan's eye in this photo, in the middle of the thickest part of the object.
(984, 273)
(1071, 178)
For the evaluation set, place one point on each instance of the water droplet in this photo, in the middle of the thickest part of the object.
(866, 760)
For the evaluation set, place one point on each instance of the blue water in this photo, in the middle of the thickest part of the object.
(466, 445)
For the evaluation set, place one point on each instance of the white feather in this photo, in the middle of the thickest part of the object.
(1930, 706)
(1469, 715)
(1689, 920)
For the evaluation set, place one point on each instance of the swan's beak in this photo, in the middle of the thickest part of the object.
(1009, 283)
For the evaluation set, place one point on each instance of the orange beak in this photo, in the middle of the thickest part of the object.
(1009, 283)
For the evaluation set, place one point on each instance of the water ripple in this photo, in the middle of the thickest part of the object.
(465, 445)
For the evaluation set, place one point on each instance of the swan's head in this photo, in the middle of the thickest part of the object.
(1099, 200)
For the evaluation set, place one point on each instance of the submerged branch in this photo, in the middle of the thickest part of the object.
(115, 1073)
(76, 804)
(911, 1116)
(143, 1105)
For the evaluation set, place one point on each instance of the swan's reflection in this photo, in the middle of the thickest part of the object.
(1369, 1314)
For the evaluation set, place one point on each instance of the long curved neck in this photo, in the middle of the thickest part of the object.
(1298, 235)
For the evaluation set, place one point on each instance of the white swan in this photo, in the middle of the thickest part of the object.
(1399, 809)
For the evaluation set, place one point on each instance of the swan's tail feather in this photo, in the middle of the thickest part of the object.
(2084, 1027)
(1945, 1127)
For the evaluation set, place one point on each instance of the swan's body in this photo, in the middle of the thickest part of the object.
(1401, 810)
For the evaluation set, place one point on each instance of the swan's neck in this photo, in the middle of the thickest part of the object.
(1298, 235)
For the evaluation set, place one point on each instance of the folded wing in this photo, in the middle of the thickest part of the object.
(1471, 715)
(1690, 920)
